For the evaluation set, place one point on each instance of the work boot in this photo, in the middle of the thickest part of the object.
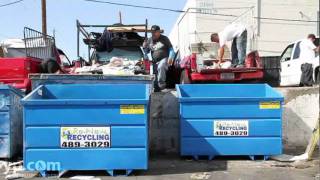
(162, 86)
(165, 90)
(240, 66)
(233, 66)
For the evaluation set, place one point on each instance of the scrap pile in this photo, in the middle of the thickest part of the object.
(116, 66)
(207, 55)
(116, 51)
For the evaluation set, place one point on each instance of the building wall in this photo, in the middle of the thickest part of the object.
(274, 35)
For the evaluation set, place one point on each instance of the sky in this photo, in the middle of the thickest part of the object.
(62, 16)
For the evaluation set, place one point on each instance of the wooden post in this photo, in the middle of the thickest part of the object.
(44, 16)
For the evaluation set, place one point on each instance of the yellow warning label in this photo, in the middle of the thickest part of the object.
(131, 109)
(270, 105)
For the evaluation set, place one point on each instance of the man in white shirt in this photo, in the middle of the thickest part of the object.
(308, 49)
(307, 54)
(237, 33)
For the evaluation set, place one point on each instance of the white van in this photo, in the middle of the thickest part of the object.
(291, 65)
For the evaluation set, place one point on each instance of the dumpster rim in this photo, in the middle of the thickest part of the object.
(12, 89)
(25, 101)
(230, 99)
(276, 96)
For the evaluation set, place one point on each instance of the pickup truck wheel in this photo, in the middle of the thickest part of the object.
(184, 78)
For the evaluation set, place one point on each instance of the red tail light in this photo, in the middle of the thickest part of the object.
(28, 66)
(193, 62)
(253, 60)
(146, 63)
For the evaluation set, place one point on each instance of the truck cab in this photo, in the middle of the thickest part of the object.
(291, 64)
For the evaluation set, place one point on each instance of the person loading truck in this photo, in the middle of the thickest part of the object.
(307, 54)
(237, 33)
(162, 54)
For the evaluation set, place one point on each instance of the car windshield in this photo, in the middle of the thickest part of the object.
(286, 55)
(129, 53)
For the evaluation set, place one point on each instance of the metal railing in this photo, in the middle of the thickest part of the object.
(38, 45)
(82, 30)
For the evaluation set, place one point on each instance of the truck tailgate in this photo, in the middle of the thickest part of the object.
(11, 68)
(229, 70)
(228, 75)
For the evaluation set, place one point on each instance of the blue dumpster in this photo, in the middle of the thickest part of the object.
(230, 119)
(86, 127)
(10, 122)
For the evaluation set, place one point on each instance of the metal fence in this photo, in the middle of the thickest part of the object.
(38, 45)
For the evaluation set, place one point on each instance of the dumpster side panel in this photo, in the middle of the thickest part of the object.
(10, 122)
(246, 123)
(53, 126)
(205, 127)
(228, 109)
(72, 114)
(88, 159)
(4, 122)
(122, 136)
(16, 124)
(231, 146)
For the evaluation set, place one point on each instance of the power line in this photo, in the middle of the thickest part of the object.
(11, 3)
(157, 8)
(196, 12)
(136, 6)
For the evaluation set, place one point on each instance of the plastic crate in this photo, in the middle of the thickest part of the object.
(10, 122)
(230, 119)
(86, 127)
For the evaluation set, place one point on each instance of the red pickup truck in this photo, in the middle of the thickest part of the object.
(21, 57)
(200, 67)
(14, 71)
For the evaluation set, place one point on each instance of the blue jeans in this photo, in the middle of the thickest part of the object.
(160, 70)
(239, 48)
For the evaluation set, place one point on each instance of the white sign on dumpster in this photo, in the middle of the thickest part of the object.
(230, 128)
(85, 137)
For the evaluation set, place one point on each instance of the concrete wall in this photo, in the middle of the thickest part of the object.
(164, 123)
(300, 113)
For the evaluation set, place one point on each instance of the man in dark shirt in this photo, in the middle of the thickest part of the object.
(162, 55)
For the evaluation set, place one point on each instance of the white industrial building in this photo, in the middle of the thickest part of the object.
(271, 24)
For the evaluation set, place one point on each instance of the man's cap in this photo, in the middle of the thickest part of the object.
(155, 28)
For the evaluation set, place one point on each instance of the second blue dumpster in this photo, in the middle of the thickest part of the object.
(86, 127)
(230, 119)
(10, 122)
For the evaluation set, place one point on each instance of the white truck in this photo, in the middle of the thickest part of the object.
(291, 65)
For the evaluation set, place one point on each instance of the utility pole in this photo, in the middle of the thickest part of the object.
(44, 16)
(120, 17)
